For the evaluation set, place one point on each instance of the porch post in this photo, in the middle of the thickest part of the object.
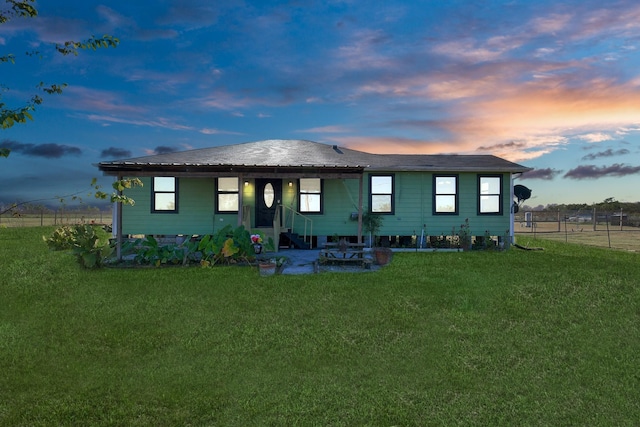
(119, 225)
(360, 209)
(240, 198)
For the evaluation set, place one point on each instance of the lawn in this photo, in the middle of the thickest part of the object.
(546, 337)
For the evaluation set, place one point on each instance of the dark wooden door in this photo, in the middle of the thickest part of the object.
(268, 197)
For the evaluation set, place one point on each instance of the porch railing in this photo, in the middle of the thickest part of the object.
(288, 218)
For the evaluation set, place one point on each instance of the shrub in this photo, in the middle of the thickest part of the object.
(228, 245)
(88, 243)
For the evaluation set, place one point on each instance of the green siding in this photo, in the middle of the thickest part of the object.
(413, 208)
(195, 210)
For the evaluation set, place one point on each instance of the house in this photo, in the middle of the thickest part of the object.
(303, 192)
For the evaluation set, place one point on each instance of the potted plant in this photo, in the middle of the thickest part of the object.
(371, 224)
(256, 240)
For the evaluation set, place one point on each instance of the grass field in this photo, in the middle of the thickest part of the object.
(546, 337)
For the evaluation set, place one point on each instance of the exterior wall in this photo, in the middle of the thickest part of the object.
(195, 210)
(413, 208)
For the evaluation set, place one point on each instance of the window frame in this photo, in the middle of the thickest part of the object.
(155, 192)
(219, 192)
(392, 194)
(321, 196)
(499, 195)
(456, 195)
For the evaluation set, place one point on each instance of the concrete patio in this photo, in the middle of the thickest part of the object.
(301, 261)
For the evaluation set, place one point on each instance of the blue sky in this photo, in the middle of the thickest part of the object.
(553, 85)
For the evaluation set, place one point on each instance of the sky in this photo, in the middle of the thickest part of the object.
(552, 85)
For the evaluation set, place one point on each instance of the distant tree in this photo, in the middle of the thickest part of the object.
(17, 9)
(609, 204)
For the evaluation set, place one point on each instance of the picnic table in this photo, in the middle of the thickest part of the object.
(344, 252)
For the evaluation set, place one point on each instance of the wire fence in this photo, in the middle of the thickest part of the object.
(616, 230)
(49, 217)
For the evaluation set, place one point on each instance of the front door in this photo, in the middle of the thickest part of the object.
(268, 197)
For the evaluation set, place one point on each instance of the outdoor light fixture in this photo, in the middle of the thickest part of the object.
(246, 183)
(290, 183)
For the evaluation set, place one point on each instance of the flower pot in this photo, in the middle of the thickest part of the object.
(267, 269)
(382, 255)
(257, 248)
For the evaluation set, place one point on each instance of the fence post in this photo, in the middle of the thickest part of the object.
(620, 219)
(594, 219)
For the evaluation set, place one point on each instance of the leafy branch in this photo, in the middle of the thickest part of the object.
(25, 9)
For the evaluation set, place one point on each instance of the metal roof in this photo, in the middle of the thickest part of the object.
(300, 155)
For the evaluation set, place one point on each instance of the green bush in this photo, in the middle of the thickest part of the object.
(228, 245)
(88, 243)
(149, 251)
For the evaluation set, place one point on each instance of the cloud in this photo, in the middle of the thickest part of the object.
(595, 172)
(393, 145)
(545, 173)
(192, 14)
(159, 122)
(507, 101)
(326, 129)
(84, 98)
(606, 153)
(595, 137)
(115, 153)
(213, 131)
(471, 51)
(48, 151)
(164, 149)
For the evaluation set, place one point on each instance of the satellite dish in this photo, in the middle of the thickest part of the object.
(521, 192)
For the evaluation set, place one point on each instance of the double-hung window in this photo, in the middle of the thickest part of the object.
(227, 194)
(445, 194)
(381, 195)
(164, 194)
(310, 195)
(490, 194)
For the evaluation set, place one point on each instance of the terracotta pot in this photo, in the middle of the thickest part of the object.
(267, 269)
(382, 255)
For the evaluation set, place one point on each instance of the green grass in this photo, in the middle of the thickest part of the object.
(479, 338)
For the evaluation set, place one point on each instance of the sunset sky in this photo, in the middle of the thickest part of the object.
(553, 85)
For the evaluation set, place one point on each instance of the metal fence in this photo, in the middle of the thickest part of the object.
(48, 217)
(619, 229)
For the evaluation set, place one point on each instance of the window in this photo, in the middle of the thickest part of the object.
(165, 194)
(228, 194)
(310, 195)
(490, 194)
(381, 198)
(445, 195)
